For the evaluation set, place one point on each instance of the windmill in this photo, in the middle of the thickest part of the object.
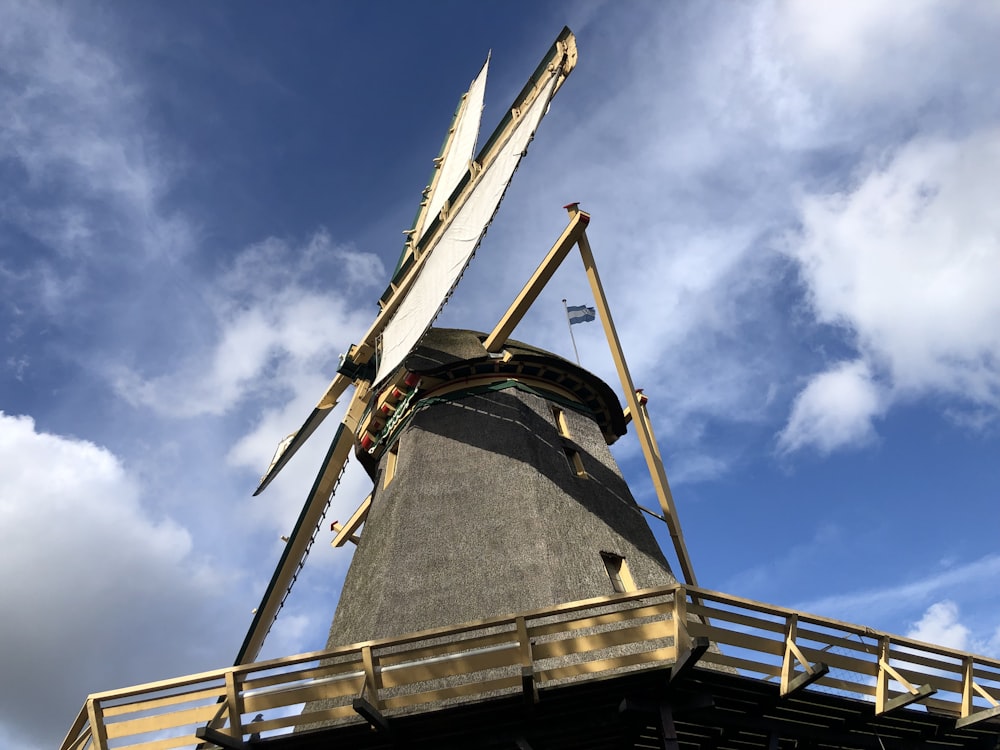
(457, 206)
(506, 590)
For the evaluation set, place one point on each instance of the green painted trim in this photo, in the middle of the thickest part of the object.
(385, 441)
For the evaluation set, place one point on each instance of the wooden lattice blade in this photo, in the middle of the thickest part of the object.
(298, 544)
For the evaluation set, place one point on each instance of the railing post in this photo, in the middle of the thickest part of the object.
(98, 732)
(373, 677)
(528, 684)
(967, 683)
(787, 662)
(682, 639)
(882, 678)
(790, 682)
(234, 705)
(883, 703)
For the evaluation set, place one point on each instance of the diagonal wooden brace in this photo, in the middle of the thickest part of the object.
(883, 703)
(214, 736)
(790, 681)
(688, 657)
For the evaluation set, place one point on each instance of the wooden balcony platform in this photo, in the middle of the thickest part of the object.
(631, 670)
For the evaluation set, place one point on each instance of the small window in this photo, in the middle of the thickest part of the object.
(390, 465)
(618, 572)
(576, 462)
(560, 418)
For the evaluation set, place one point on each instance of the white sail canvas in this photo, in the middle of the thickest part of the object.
(449, 258)
(461, 150)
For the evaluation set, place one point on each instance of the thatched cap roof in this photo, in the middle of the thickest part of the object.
(457, 354)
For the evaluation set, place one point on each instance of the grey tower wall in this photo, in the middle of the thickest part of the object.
(485, 516)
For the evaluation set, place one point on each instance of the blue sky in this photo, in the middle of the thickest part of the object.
(794, 211)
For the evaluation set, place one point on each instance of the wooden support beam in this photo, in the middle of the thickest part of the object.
(688, 657)
(649, 423)
(371, 714)
(905, 699)
(373, 677)
(970, 688)
(688, 650)
(98, 730)
(978, 716)
(967, 682)
(668, 730)
(682, 638)
(346, 531)
(223, 740)
(647, 440)
(234, 705)
(885, 704)
(790, 682)
(501, 332)
(528, 684)
(337, 528)
(805, 679)
(77, 731)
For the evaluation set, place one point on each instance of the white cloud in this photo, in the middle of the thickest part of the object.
(878, 66)
(835, 409)
(939, 625)
(869, 605)
(907, 264)
(73, 123)
(87, 577)
(278, 329)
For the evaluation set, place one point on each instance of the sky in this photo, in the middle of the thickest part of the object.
(794, 211)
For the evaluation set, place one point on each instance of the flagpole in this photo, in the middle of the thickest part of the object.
(569, 324)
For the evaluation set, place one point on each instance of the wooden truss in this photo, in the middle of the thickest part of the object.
(575, 234)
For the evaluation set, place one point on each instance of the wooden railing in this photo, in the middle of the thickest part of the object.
(535, 650)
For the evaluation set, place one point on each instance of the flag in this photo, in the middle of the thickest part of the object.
(580, 314)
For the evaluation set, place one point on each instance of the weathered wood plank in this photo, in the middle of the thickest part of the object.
(751, 621)
(169, 700)
(741, 640)
(608, 639)
(323, 672)
(655, 657)
(160, 722)
(459, 665)
(456, 691)
(301, 694)
(450, 647)
(607, 618)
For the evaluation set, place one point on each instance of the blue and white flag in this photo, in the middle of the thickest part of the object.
(580, 314)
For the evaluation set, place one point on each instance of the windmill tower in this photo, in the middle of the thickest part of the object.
(495, 492)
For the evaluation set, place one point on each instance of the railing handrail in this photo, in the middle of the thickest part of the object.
(694, 592)
(884, 656)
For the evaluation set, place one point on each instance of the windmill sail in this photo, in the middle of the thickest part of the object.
(451, 255)
(505, 145)
(460, 149)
